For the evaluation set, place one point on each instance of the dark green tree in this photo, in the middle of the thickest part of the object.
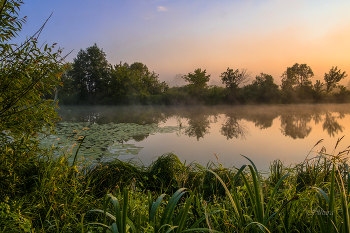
(265, 89)
(318, 91)
(134, 83)
(333, 77)
(197, 81)
(234, 79)
(66, 91)
(296, 83)
(91, 74)
(120, 84)
(297, 77)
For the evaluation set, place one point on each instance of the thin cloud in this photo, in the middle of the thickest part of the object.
(161, 8)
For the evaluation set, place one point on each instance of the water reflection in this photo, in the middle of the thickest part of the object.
(331, 125)
(317, 117)
(111, 114)
(295, 126)
(199, 126)
(296, 121)
(139, 138)
(232, 128)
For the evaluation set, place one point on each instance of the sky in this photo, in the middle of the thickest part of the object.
(178, 36)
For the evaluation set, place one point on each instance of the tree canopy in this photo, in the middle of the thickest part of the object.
(92, 80)
(197, 80)
(90, 70)
(234, 79)
(333, 77)
(297, 77)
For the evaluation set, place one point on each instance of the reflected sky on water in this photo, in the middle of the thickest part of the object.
(262, 133)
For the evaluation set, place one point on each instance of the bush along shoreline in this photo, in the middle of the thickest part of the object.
(54, 194)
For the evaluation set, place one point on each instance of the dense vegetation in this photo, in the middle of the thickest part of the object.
(90, 79)
(49, 190)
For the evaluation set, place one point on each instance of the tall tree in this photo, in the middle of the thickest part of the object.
(333, 77)
(264, 88)
(197, 80)
(234, 79)
(134, 83)
(297, 77)
(91, 73)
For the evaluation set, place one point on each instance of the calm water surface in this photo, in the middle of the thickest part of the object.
(194, 134)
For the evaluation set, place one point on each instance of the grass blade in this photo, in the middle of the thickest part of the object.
(269, 204)
(125, 208)
(154, 208)
(184, 214)
(234, 203)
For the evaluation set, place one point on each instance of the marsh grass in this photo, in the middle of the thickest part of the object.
(64, 194)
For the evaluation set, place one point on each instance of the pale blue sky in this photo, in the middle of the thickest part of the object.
(173, 37)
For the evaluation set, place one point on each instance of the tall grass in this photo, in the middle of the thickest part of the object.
(170, 196)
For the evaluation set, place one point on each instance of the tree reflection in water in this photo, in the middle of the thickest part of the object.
(295, 120)
(331, 125)
(233, 129)
(199, 126)
(263, 121)
(317, 117)
(295, 126)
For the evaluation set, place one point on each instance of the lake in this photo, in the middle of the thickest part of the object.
(194, 133)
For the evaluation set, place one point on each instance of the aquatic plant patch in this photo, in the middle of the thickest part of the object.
(103, 140)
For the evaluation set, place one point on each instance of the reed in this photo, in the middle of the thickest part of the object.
(170, 196)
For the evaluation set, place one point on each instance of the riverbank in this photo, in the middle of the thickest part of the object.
(54, 195)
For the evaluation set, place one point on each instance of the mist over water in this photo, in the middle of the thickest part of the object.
(194, 133)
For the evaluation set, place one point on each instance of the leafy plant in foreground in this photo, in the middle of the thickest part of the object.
(333, 217)
(159, 221)
(260, 218)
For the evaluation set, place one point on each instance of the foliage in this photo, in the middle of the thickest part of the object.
(297, 77)
(48, 190)
(125, 84)
(102, 83)
(197, 81)
(120, 222)
(333, 77)
(27, 74)
(262, 90)
(90, 72)
(297, 86)
(234, 79)
(10, 23)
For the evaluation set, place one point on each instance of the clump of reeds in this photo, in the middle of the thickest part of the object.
(66, 196)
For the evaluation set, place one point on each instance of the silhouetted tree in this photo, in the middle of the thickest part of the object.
(333, 77)
(297, 76)
(233, 80)
(296, 81)
(197, 81)
(263, 89)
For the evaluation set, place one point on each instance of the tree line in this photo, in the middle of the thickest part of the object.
(90, 79)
